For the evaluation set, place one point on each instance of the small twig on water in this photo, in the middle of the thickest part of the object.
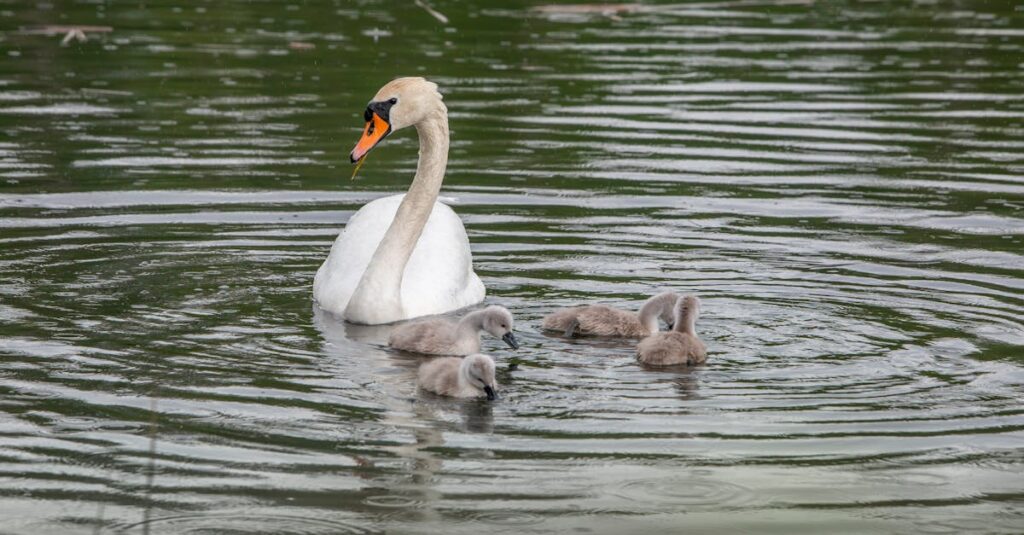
(584, 9)
(433, 12)
(75, 34)
(71, 33)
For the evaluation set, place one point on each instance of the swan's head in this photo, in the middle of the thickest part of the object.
(498, 322)
(478, 371)
(400, 103)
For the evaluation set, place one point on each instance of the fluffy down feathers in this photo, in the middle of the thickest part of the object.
(670, 349)
(468, 377)
(596, 320)
(434, 337)
(444, 337)
(680, 345)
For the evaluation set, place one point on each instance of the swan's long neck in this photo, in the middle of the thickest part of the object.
(378, 297)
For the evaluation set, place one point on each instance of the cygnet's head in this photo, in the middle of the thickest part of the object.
(498, 321)
(400, 103)
(668, 309)
(687, 310)
(478, 371)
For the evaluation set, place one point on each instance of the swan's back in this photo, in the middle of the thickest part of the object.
(671, 348)
(438, 278)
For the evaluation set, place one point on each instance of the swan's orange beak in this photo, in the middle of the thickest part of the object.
(376, 129)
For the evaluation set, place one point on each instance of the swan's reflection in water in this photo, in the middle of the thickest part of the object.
(349, 335)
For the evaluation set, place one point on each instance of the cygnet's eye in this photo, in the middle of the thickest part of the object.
(393, 101)
(503, 326)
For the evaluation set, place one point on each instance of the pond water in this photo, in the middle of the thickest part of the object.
(841, 182)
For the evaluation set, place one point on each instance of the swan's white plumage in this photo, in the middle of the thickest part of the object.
(439, 277)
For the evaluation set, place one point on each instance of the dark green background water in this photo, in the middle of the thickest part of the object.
(842, 183)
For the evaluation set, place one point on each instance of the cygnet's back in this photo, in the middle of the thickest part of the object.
(678, 346)
(434, 337)
(465, 377)
(602, 320)
(595, 320)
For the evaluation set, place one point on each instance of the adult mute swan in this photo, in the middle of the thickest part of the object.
(402, 256)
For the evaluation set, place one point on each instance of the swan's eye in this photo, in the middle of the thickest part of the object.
(393, 101)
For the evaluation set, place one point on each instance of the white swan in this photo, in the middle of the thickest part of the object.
(402, 256)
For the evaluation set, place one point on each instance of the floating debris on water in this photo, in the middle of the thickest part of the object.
(71, 33)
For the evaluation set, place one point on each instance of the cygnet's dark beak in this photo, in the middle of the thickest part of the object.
(491, 395)
(510, 339)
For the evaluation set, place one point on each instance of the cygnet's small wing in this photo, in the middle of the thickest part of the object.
(573, 329)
